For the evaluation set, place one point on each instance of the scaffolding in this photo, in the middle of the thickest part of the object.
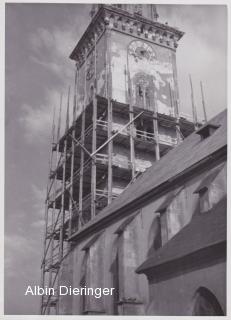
(84, 163)
(84, 166)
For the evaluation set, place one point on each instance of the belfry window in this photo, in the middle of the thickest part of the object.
(140, 91)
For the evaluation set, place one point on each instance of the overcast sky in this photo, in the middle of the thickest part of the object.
(39, 39)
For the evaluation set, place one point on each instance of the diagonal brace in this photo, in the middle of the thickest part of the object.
(82, 146)
(114, 135)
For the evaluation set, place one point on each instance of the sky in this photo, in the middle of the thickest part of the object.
(39, 40)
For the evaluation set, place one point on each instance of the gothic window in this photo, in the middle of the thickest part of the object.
(211, 189)
(154, 239)
(204, 199)
(164, 226)
(172, 215)
(206, 304)
(92, 277)
(115, 282)
(140, 91)
(124, 264)
(143, 86)
(83, 281)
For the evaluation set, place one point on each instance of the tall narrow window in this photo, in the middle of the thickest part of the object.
(154, 238)
(206, 304)
(115, 283)
(83, 281)
(211, 189)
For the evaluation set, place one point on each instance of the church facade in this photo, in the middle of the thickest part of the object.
(185, 191)
(131, 173)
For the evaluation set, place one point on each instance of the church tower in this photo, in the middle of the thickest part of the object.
(126, 116)
(126, 64)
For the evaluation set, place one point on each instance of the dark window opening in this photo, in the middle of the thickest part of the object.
(206, 304)
(140, 91)
(207, 131)
(115, 283)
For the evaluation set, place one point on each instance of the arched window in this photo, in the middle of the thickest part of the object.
(114, 270)
(127, 297)
(115, 282)
(83, 280)
(154, 238)
(206, 304)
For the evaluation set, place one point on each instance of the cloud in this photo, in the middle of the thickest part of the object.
(51, 49)
(38, 200)
(36, 120)
(201, 52)
(15, 246)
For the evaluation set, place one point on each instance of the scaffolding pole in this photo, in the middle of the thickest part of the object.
(109, 114)
(194, 112)
(43, 266)
(131, 119)
(51, 243)
(94, 139)
(82, 156)
(174, 106)
(61, 233)
(155, 128)
(203, 102)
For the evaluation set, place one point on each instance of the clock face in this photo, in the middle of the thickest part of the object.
(141, 51)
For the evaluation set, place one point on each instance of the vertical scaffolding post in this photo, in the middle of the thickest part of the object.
(61, 233)
(81, 170)
(52, 217)
(81, 181)
(71, 204)
(193, 104)
(203, 101)
(75, 93)
(131, 127)
(174, 105)
(94, 119)
(108, 85)
(155, 127)
(43, 267)
(43, 271)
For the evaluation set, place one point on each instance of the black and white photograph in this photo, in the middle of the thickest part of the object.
(115, 160)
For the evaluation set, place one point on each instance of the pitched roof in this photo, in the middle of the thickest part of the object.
(191, 151)
(204, 230)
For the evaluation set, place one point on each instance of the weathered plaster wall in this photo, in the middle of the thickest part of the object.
(159, 70)
(134, 244)
(174, 297)
(89, 72)
(65, 301)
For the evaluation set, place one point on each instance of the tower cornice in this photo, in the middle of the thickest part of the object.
(121, 20)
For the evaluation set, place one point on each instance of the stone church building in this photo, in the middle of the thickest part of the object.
(137, 196)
